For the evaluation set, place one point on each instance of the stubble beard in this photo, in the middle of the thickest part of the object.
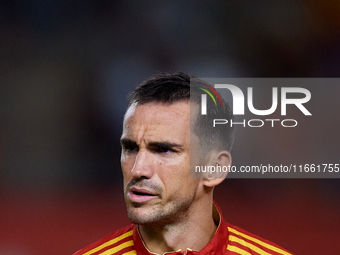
(158, 214)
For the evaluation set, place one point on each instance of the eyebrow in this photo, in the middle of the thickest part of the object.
(126, 142)
(162, 144)
(166, 145)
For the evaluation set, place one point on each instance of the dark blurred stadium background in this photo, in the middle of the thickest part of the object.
(65, 70)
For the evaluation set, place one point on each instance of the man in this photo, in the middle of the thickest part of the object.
(164, 137)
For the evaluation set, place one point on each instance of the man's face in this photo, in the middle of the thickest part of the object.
(155, 162)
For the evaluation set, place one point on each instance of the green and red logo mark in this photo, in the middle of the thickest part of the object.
(204, 98)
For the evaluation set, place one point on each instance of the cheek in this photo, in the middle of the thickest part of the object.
(181, 189)
(176, 177)
(126, 163)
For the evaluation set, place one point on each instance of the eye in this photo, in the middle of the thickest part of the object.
(164, 150)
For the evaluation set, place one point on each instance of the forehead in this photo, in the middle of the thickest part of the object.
(157, 120)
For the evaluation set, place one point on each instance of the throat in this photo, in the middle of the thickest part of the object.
(172, 237)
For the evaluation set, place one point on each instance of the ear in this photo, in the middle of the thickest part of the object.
(219, 164)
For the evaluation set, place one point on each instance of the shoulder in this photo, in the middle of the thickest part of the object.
(118, 242)
(241, 241)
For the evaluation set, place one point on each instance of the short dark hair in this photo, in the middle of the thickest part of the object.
(168, 88)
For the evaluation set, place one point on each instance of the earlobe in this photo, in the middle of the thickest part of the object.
(219, 163)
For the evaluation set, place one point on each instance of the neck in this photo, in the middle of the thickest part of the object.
(193, 231)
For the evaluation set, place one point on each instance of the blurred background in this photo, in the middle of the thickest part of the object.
(66, 68)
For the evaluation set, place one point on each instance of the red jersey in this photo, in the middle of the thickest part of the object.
(228, 239)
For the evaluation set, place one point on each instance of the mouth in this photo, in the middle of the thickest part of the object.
(141, 195)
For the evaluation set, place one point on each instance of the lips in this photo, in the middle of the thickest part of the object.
(141, 195)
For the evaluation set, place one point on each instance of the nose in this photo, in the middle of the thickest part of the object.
(143, 166)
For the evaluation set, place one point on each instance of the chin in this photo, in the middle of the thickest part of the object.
(144, 216)
(138, 218)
